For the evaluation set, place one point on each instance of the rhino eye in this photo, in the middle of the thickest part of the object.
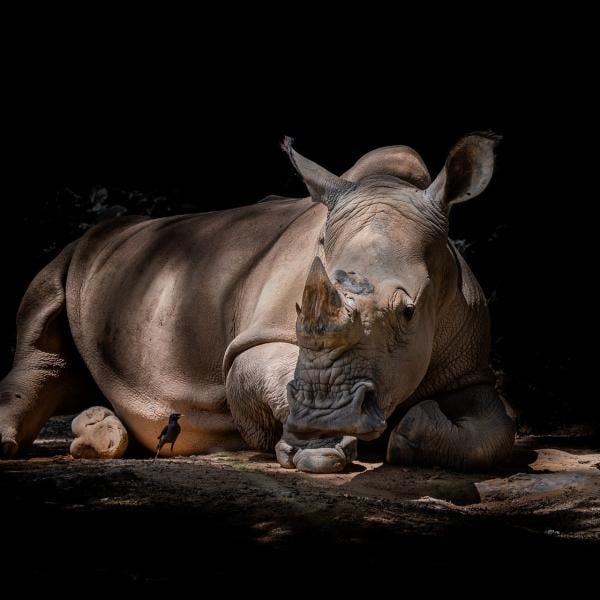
(408, 311)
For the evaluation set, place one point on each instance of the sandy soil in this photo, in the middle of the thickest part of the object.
(102, 516)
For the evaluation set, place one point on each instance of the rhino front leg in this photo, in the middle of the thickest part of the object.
(465, 430)
(257, 397)
(256, 388)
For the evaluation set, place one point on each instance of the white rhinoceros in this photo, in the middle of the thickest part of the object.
(295, 324)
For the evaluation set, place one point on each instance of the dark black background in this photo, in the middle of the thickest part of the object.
(106, 113)
(149, 131)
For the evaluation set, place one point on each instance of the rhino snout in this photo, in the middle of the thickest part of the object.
(354, 412)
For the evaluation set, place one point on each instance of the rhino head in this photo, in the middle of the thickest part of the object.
(373, 295)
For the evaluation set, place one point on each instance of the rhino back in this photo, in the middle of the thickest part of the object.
(153, 304)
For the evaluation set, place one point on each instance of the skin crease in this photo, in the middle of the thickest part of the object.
(295, 320)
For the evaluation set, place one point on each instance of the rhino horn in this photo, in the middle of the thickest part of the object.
(322, 185)
(321, 301)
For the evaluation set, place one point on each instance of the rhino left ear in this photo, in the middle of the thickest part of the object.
(322, 185)
(468, 170)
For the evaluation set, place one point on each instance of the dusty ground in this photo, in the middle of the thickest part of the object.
(132, 521)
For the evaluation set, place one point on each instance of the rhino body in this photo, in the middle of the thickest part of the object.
(252, 324)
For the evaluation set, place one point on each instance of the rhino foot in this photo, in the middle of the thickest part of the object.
(98, 434)
(329, 455)
(10, 421)
(8, 447)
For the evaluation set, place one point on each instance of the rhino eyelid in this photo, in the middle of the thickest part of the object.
(408, 296)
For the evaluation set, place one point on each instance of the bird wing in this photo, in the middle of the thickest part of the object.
(163, 432)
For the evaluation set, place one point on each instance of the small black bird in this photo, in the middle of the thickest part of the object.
(169, 433)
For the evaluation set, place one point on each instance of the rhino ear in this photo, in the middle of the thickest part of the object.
(322, 185)
(468, 170)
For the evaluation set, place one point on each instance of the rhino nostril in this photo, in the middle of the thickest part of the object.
(369, 401)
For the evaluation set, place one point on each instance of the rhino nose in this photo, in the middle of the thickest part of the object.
(350, 413)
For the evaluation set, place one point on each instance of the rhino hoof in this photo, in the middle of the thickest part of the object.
(320, 460)
(285, 454)
(98, 434)
(310, 459)
(8, 447)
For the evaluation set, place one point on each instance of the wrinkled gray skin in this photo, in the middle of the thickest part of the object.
(301, 324)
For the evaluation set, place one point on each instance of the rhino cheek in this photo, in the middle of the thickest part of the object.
(403, 371)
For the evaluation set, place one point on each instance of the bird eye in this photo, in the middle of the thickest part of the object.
(409, 311)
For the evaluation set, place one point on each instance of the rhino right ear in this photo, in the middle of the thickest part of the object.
(468, 170)
(322, 185)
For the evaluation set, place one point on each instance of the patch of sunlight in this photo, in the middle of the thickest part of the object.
(379, 519)
(271, 532)
(120, 501)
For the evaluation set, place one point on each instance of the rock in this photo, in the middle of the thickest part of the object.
(555, 475)
(551, 459)
(540, 486)
(98, 434)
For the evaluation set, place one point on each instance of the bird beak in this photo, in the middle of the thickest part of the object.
(181, 416)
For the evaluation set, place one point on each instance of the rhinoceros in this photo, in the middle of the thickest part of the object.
(291, 325)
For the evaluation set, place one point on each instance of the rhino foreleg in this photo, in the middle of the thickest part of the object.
(257, 392)
(465, 430)
(257, 398)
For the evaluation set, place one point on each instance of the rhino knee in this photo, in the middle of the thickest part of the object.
(474, 441)
(490, 444)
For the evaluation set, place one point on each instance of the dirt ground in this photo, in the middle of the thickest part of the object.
(131, 521)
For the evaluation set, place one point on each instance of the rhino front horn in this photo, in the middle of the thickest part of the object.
(321, 302)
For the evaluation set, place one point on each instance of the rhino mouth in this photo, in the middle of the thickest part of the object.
(317, 412)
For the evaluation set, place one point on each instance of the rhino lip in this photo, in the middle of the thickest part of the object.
(366, 399)
(359, 415)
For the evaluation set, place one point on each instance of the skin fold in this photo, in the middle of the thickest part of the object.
(289, 325)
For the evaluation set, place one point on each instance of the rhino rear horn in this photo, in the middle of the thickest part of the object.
(320, 299)
(322, 185)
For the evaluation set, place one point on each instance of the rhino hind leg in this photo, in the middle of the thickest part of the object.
(98, 434)
(464, 430)
(47, 375)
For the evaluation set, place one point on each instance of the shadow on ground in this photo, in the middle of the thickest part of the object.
(239, 519)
